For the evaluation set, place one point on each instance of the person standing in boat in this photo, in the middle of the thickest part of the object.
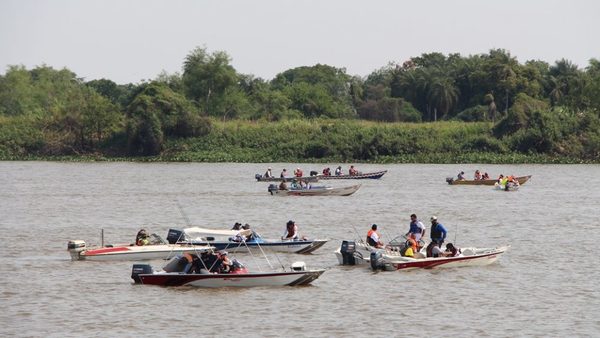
(438, 232)
(291, 231)
(417, 228)
(268, 173)
(373, 238)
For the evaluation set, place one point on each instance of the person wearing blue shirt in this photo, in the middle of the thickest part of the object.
(438, 232)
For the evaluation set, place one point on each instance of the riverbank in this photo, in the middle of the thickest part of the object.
(318, 141)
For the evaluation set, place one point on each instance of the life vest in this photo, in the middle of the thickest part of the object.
(370, 240)
(409, 252)
(436, 232)
(414, 227)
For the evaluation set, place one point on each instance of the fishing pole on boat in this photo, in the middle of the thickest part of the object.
(183, 214)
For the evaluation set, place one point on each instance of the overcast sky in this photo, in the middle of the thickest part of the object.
(129, 41)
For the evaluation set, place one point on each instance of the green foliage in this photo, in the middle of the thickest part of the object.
(473, 114)
(206, 77)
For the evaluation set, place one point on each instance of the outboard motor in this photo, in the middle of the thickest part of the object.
(75, 247)
(272, 187)
(449, 180)
(174, 236)
(376, 260)
(139, 269)
(258, 177)
(347, 250)
(314, 173)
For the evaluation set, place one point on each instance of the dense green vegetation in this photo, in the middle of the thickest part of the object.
(431, 108)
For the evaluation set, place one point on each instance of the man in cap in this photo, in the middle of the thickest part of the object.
(438, 232)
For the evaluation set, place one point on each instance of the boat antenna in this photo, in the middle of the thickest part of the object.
(183, 214)
(455, 233)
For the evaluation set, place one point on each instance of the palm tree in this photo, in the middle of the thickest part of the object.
(442, 96)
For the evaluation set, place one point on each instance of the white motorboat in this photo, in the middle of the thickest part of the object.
(156, 249)
(241, 240)
(197, 270)
(390, 258)
(314, 191)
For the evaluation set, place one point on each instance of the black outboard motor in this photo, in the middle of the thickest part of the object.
(139, 269)
(314, 173)
(174, 236)
(449, 180)
(258, 177)
(347, 250)
(376, 260)
(272, 187)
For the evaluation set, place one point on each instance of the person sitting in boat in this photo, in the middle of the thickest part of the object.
(373, 237)
(268, 173)
(485, 176)
(283, 173)
(251, 235)
(461, 176)
(294, 184)
(291, 231)
(477, 175)
(304, 185)
(327, 172)
(298, 172)
(438, 232)
(352, 171)
(237, 226)
(410, 246)
(283, 185)
(451, 250)
(223, 263)
(417, 228)
(338, 171)
(500, 178)
(142, 238)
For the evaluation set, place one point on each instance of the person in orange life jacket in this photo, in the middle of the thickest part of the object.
(373, 237)
(438, 232)
(416, 227)
(298, 172)
(411, 246)
(291, 231)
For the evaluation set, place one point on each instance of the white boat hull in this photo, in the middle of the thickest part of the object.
(135, 253)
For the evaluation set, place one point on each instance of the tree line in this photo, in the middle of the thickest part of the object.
(532, 107)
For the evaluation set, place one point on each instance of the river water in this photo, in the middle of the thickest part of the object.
(545, 285)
